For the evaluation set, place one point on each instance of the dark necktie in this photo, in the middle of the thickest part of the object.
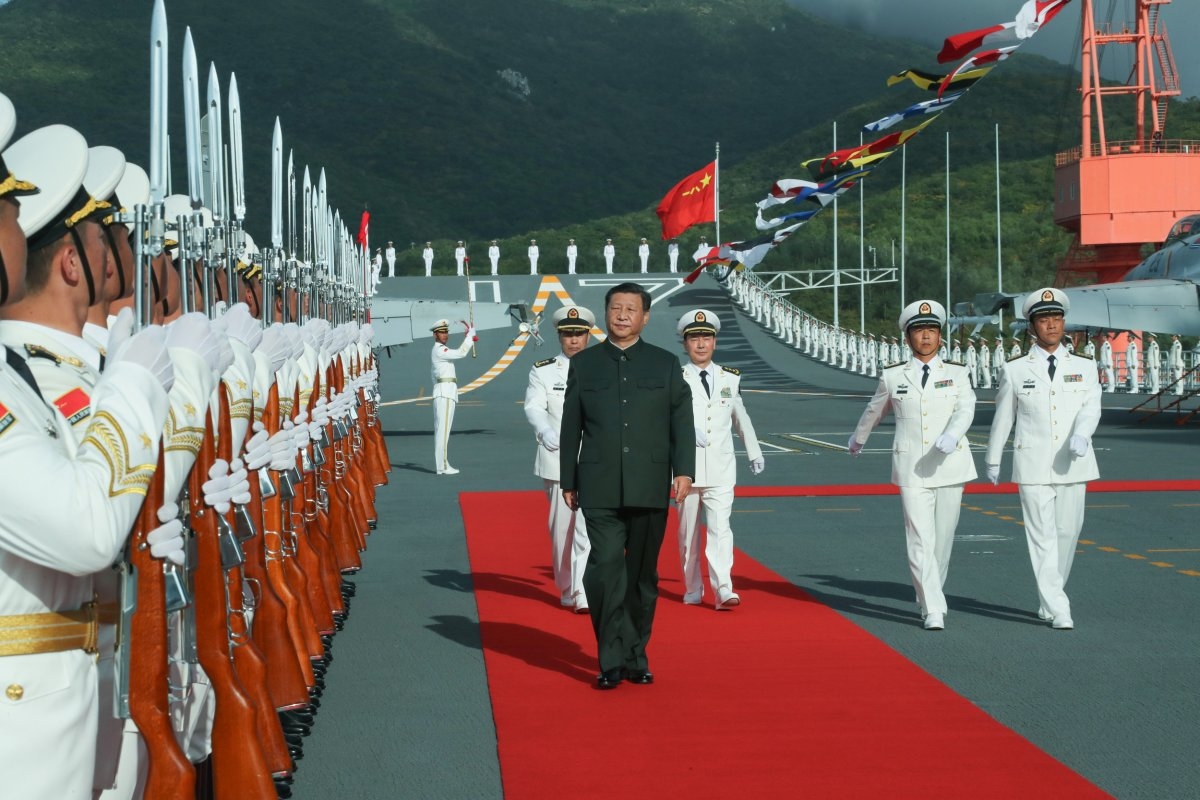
(704, 382)
(1051, 360)
(924, 375)
(21, 368)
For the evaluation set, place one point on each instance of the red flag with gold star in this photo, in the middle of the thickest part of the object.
(691, 202)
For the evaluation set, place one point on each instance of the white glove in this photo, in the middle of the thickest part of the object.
(194, 332)
(283, 451)
(365, 334)
(471, 333)
(854, 446)
(757, 465)
(1079, 445)
(701, 438)
(166, 541)
(238, 324)
(549, 438)
(946, 443)
(239, 483)
(258, 448)
(217, 489)
(300, 431)
(274, 346)
(120, 329)
(219, 309)
(147, 349)
(993, 473)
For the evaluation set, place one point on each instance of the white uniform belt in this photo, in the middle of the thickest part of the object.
(50, 632)
(446, 380)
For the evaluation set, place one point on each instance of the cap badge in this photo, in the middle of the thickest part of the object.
(573, 313)
(925, 308)
(1047, 295)
(699, 316)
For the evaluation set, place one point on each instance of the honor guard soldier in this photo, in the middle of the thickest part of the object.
(1153, 364)
(972, 362)
(1106, 364)
(445, 390)
(1175, 364)
(543, 408)
(985, 364)
(1053, 397)
(572, 254)
(673, 255)
(494, 256)
(1016, 348)
(931, 460)
(427, 256)
(644, 255)
(1089, 349)
(376, 270)
(956, 353)
(998, 359)
(533, 254)
(460, 256)
(610, 253)
(717, 410)
(389, 255)
(1132, 365)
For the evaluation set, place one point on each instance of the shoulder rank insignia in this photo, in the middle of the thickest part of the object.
(731, 370)
(1014, 358)
(75, 405)
(955, 363)
(1083, 355)
(37, 351)
(897, 364)
(545, 362)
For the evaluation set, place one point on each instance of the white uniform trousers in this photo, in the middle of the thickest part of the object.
(1110, 379)
(1053, 519)
(930, 519)
(718, 546)
(443, 419)
(132, 767)
(568, 542)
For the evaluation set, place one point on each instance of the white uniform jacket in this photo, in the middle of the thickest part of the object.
(543, 408)
(1047, 414)
(444, 377)
(719, 415)
(945, 405)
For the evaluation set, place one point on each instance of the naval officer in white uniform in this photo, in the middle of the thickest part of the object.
(543, 408)
(718, 411)
(445, 390)
(1053, 396)
(934, 405)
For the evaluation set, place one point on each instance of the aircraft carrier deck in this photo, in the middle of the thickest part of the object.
(407, 711)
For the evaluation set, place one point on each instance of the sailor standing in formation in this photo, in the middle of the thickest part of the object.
(673, 255)
(644, 255)
(934, 405)
(1175, 364)
(533, 254)
(718, 411)
(572, 254)
(1153, 364)
(610, 253)
(1132, 365)
(494, 256)
(427, 257)
(460, 257)
(445, 390)
(1106, 364)
(543, 408)
(972, 363)
(389, 255)
(1053, 398)
(376, 271)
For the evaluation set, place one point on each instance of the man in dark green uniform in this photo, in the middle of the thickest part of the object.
(629, 407)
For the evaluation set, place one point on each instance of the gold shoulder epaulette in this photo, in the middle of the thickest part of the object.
(731, 370)
(1084, 355)
(545, 362)
(897, 364)
(37, 351)
(955, 363)
(1014, 358)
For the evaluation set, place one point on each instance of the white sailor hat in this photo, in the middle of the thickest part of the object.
(533, 241)
(460, 241)
(441, 325)
(134, 187)
(922, 312)
(9, 183)
(698, 320)
(105, 167)
(1045, 301)
(574, 318)
(54, 159)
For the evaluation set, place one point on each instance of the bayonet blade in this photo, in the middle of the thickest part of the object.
(216, 146)
(277, 187)
(191, 120)
(236, 165)
(158, 103)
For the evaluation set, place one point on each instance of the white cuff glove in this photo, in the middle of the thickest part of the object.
(258, 448)
(854, 446)
(120, 329)
(239, 483)
(274, 346)
(471, 333)
(238, 324)
(993, 474)
(166, 541)
(283, 452)
(147, 349)
(757, 465)
(946, 443)
(549, 438)
(1079, 445)
(194, 332)
(218, 488)
(299, 432)
(701, 438)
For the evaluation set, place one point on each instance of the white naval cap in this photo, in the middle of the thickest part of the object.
(922, 312)
(55, 159)
(106, 166)
(574, 318)
(441, 325)
(698, 320)
(134, 187)
(1045, 301)
(10, 183)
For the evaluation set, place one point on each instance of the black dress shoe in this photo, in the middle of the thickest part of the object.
(639, 676)
(609, 679)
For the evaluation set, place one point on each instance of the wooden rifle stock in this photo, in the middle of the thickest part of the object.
(381, 452)
(239, 767)
(170, 773)
(307, 557)
(317, 524)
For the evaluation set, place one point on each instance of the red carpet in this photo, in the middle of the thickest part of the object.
(782, 697)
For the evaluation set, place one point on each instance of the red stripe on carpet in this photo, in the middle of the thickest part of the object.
(782, 697)
(852, 489)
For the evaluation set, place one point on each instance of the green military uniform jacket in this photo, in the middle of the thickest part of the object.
(628, 416)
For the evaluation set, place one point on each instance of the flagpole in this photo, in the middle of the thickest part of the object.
(836, 272)
(903, 215)
(717, 193)
(947, 222)
(999, 259)
(862, 252)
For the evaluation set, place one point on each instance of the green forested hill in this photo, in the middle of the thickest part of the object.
(475, 119)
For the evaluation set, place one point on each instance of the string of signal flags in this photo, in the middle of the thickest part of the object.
(694, 200)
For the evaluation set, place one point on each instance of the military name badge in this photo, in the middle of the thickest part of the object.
(1072, 379)
(726, 392)
(75, 405)
(6, 419)
(942, 384)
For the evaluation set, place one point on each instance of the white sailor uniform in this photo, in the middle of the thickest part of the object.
(445, 398)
